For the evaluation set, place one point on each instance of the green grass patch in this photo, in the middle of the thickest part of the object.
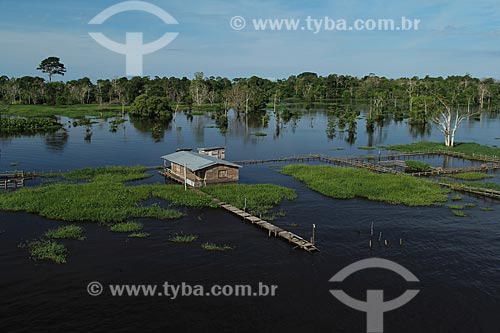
(487, 209)
(115, 174)
(457, 197)
(138, 235)
(471, 176)
(348, 183)
(469, 149)
(183, 238)
(47, 250)
(456, 207)
(70, 111)
(459, 213)
(215, 247)
(470, 205)
(260, 198)
(102, 197)
(417, 166)
(66, 232)
(260, 134)
(127, 227)
(366, 148)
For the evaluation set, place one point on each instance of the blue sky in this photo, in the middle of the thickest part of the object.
(455, 37)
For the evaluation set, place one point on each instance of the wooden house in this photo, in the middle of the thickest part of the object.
(197, 170)
(217, 152)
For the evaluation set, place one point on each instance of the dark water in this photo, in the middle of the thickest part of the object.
(456, 259)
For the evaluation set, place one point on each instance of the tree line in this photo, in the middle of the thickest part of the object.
(412, 96)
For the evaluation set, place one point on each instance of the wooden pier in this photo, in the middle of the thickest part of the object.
(475, 190)
(359, 163)
(308, 158)
(278, 232)
(14, 179)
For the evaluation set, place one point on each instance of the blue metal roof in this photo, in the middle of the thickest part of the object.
(196, 161)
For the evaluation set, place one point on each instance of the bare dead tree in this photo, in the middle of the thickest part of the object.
(449, 120)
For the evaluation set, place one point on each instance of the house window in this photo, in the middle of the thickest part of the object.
(222, 173)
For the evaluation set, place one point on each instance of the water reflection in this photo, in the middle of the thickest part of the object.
(57, 141)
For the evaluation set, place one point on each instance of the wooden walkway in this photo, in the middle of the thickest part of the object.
(475, 190)
(278, 232)
(15, 179)
(359, 163)
(308, 158)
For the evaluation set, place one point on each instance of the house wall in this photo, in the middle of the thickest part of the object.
(212, 175)
(179, 170)
(221, 174)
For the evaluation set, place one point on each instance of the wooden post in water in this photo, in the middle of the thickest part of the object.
(185, 177)
(313, 236)
(380, 237)
(371, 231)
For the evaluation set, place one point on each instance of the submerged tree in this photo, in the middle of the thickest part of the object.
(52, 66)
(151, 107)
(449, 120)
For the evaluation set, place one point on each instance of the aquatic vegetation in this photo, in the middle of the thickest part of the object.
(66, 232)
(487, 209)
(71, 111)
(127, 227)
(366, 148)
(459, 213)
(139, 235)
(471, 205)
(214, 247)
(183, 238)
(260, 134)
(47, 250)
(155, 212)
(348, 183)
(457, 197)
(468, 149)
(112, 173)
(417, 166)
(471, 176)
(102, 198)
(260, 198)
(456, 207)
(28, 125)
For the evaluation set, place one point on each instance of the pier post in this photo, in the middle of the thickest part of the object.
(313, 234)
